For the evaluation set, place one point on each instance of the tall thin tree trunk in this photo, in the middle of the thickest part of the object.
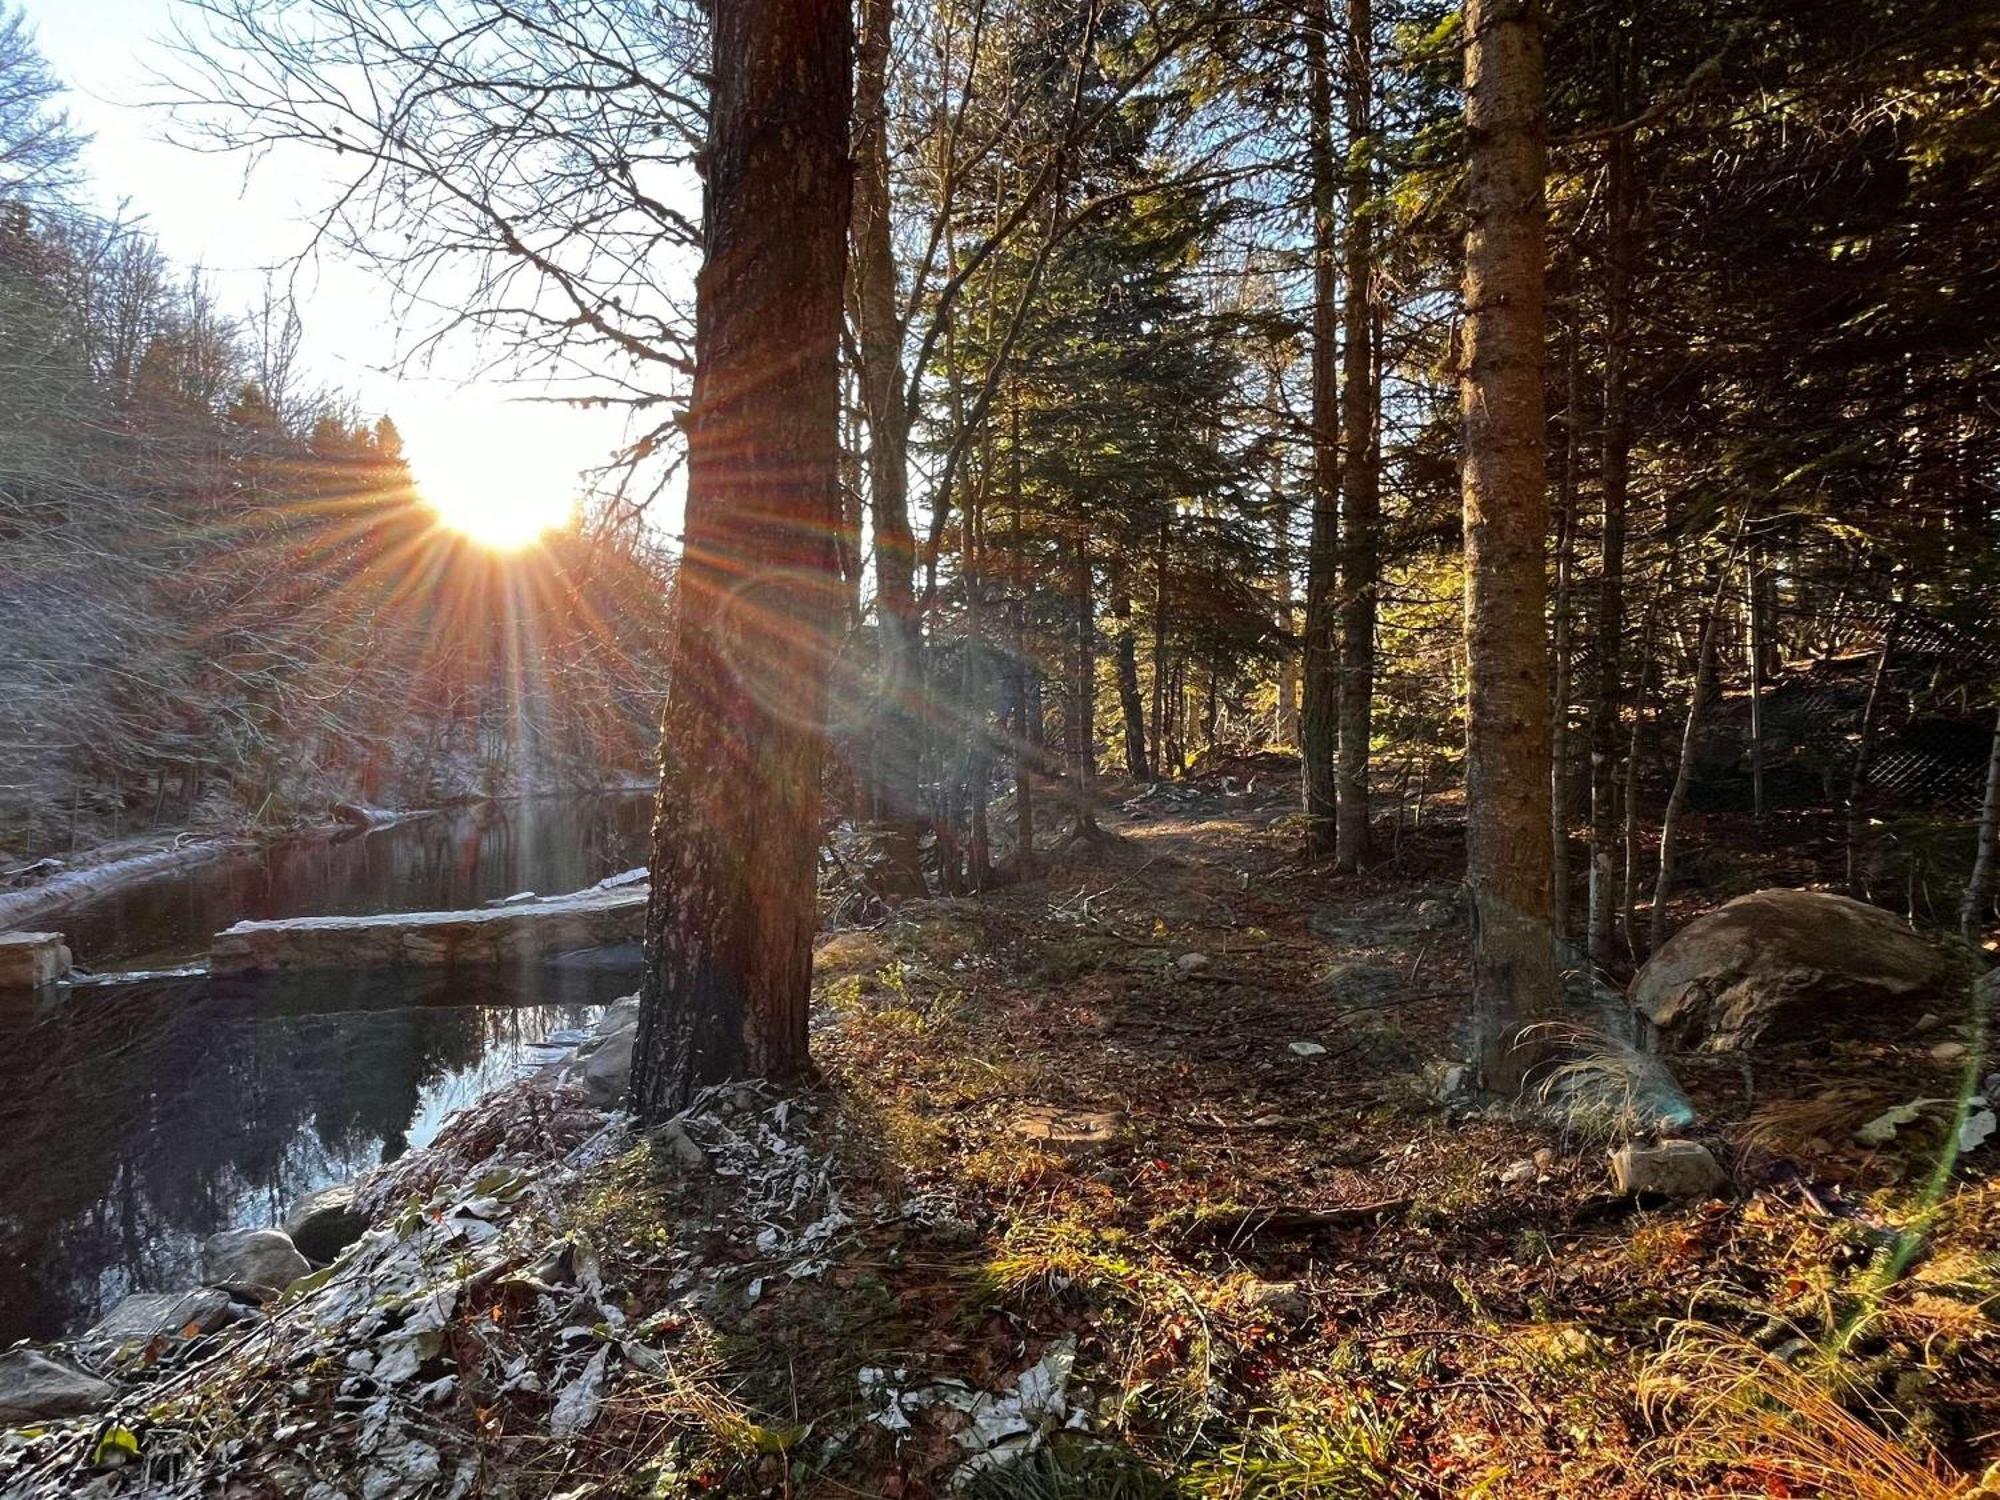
(1160, 672)
(1083, 691)
(1137, 765)
(1559, 797)
(879, 343)
(1286, 730)
(1319, 724)
(973, 693)
(1026, 735)
(730, 921)
(1979, 885)
(1609, 690)
(1627, 917)
(1360, 500)
(1864, 764)
(1754, 650)
(1670, 820)
(1506, 526)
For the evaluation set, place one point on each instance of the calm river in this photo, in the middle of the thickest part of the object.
(136, 1119)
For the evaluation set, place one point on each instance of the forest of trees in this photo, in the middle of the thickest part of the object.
(1606, 389)
(206, 560)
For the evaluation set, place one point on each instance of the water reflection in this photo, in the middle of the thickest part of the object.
(138, 1118)
(458, 858)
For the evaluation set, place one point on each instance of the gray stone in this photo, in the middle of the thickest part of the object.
(29, 960)
(1670, 1169)
(36, 1388)
(606, 1073)
(683, 1147)
(1785, 963)
(145, 1316)
(258, 1263)
(1191, 963)
(324, 1223)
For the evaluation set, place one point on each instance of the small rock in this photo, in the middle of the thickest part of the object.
(36, 1388)
(1928, 1021)
(1191, 963)
(1671, 1169)
(1285, 1301)
(145, 1316)
(1457, 1083)
(1949, 1052)
(1308, 1049)
(324, 1223)
(1976, 1129)
(1070, 1127)
(29, 960)
(258, 1263)
(681, 1146)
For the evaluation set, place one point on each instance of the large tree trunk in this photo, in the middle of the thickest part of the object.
(879, 345)
(1319, 726)
(1609, 689)
(1506, 525)
(1360, 499)
(736, 836)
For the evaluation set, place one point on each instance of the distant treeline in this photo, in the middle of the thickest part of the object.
(221, 599)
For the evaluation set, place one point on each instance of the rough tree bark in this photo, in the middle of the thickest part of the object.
(1360, 499)
(1506, 524)
(879, 345)
(1319, 727)
(736, 836)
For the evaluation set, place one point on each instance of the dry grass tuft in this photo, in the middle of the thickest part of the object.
(1721, 1402)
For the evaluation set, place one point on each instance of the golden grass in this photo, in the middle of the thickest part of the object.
(1721, 1402)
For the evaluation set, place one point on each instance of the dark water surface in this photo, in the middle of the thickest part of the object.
(138, 1118)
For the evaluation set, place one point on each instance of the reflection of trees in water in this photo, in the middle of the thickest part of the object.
(134, 1122)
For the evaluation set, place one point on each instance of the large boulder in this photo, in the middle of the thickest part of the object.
(36, 1388)
(324, 1223)
(254, 1263)
(1782, 964)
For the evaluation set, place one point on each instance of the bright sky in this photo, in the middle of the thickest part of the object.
(462, 439)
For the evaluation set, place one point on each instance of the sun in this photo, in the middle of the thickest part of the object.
(492, 480)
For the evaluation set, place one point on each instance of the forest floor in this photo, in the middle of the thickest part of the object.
(1175, 1107)
(1135, 1181)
